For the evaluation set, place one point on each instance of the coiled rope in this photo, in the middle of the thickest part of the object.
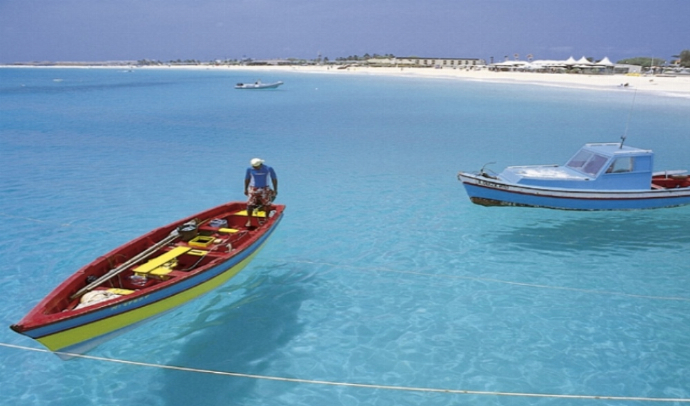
(351, 384)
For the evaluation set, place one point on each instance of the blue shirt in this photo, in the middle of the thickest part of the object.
(259, 176)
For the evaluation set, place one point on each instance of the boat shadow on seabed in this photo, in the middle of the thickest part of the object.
(597, 232)
(241, 336)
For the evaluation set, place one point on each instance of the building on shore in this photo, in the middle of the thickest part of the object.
(438, 63)
(273, 62)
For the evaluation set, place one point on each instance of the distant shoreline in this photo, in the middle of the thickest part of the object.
(677, 86)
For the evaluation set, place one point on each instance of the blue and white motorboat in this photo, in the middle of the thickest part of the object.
(258, 85)
(600, 176)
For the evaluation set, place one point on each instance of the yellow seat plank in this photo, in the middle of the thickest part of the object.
(255, 213)
(119, 291)
(158, 261)
(161, 271)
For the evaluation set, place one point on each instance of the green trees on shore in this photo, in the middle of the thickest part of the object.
(682, 59)
(645, 62)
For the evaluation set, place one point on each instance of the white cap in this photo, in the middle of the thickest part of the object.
(256, 162)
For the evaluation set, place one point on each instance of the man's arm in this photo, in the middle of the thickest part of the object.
(274, 179)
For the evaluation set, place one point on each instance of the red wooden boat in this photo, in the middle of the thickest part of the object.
(148, 276)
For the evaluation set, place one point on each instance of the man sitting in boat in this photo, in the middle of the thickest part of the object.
(259, 194)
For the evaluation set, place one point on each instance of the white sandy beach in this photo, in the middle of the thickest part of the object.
(673, 86)
(678, 86)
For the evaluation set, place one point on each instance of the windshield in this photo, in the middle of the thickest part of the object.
(594, 165)
(587, 162)
(579, 160)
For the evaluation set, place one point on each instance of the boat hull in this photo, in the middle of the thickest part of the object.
(493, 192)
(77, 330)
(58, 337)
(250, 86)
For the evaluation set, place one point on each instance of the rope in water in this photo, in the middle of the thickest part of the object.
(350, 384)
(375, 386)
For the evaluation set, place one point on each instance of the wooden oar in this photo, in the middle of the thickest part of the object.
(142, 255)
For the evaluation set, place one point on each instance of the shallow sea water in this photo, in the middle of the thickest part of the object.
(382, 274)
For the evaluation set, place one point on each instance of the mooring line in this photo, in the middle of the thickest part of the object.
(480, 279)
(349, 384)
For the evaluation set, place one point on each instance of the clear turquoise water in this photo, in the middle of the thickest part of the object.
(382, 273)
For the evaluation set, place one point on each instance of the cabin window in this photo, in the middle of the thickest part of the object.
(621, 165)
(594, 165)
(587, 162)
(579, 160)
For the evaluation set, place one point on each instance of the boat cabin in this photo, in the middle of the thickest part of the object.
(596, 166)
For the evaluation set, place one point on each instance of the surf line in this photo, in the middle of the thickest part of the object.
(476, 278)
(350, 384)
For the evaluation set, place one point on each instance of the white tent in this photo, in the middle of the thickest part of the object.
(604, 62)
(571, 61)
(583, 61)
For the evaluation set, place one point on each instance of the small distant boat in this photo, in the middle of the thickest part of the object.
(258, 85)
(148, 276)
(600, 176)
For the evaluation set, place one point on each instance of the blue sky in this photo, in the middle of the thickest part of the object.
(98, 30)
